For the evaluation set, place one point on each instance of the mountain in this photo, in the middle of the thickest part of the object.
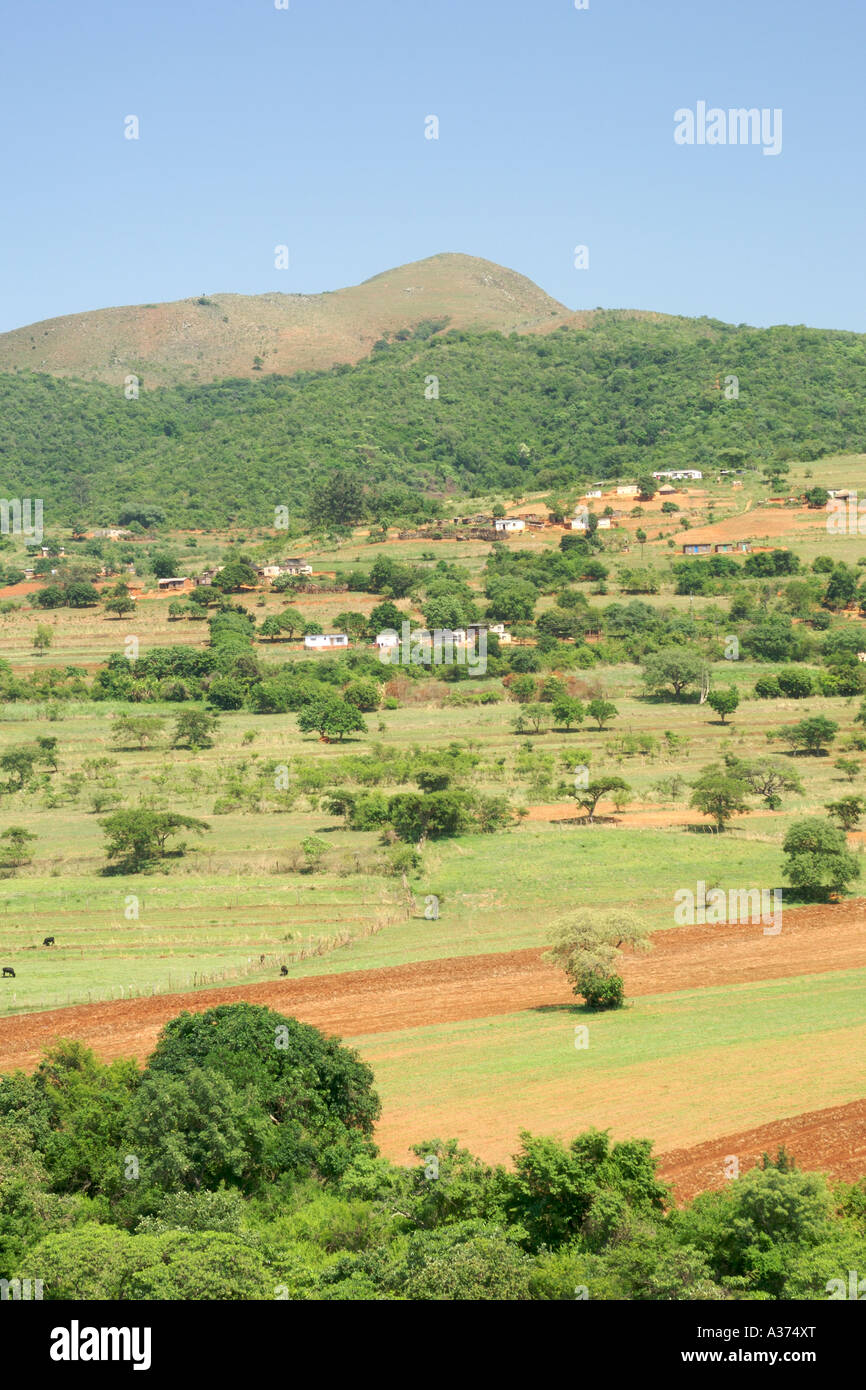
(611, 396)
(223, 335)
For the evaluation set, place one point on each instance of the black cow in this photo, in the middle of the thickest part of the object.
(284, 970)
(261, 960)
(7, 970)
(49, 941)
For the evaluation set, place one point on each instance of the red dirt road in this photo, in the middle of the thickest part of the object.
(831, 1141)
(812, 940)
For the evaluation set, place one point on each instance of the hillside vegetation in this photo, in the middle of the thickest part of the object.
(616, 398)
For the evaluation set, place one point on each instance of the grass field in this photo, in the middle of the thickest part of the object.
(676, 1068)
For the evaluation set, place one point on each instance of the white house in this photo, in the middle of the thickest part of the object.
(318, 641)
(694, 474)
(509, 523)
(604, 523)
(628, 490)
(578, 523)
(595, 492)
(387, 639)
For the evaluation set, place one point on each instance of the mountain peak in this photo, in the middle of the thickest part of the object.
(204, 338)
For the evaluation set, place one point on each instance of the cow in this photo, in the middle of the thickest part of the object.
(49, 941)
(261, 960)
(7, 970)
(284, 970)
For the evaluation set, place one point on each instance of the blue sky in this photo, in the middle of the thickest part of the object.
(305, 127)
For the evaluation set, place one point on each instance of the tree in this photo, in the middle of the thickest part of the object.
(47, 746)
(226, 692)
(719, 793)
(141, 730)
(19, 763)
(52, 596)
(847, 811)
(353, 623)
(195, 1131)
(533, 717)
(315, 1094)
(43, 638)
(588, 797)
(724, 702)
(331, 715)
(602, 711)
(290, 621)
(523, 688)
(236, 574)
(810, 734)
(139, 837)
(121, 605)
(673, 667)
(386, 617)
(336, 501)
(766, 778)
(559, 1195)
(587, 945)
(848, 767)
(163, 565)
(81, 594)
(16, 840)
(363, 694)
(271, 628)
(819, 861)
(193, 728)
(567, 710)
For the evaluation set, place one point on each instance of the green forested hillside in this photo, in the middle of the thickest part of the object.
(512, 412)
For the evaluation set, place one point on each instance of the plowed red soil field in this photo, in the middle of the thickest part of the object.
(831, 1141)
(462, 987)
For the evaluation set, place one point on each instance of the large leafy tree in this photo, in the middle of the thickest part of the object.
(316, 1095)
(330, 714)
(720, 793)
(818, 860)
(672, 669)
(138, 837)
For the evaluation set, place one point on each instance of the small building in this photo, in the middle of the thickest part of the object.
(681, 474)
(386, 640)
(320, 641)
(735, 547)
(628, 490)
(578, 523)
(697, 548)
(476, 630)
(604, 523)
(509, 523)
(176, 582)
(593, 492)
(667, 489)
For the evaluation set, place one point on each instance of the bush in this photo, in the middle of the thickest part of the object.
(601, 991)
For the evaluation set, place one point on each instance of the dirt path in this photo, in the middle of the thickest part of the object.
(462, 987)
(831, 1141)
